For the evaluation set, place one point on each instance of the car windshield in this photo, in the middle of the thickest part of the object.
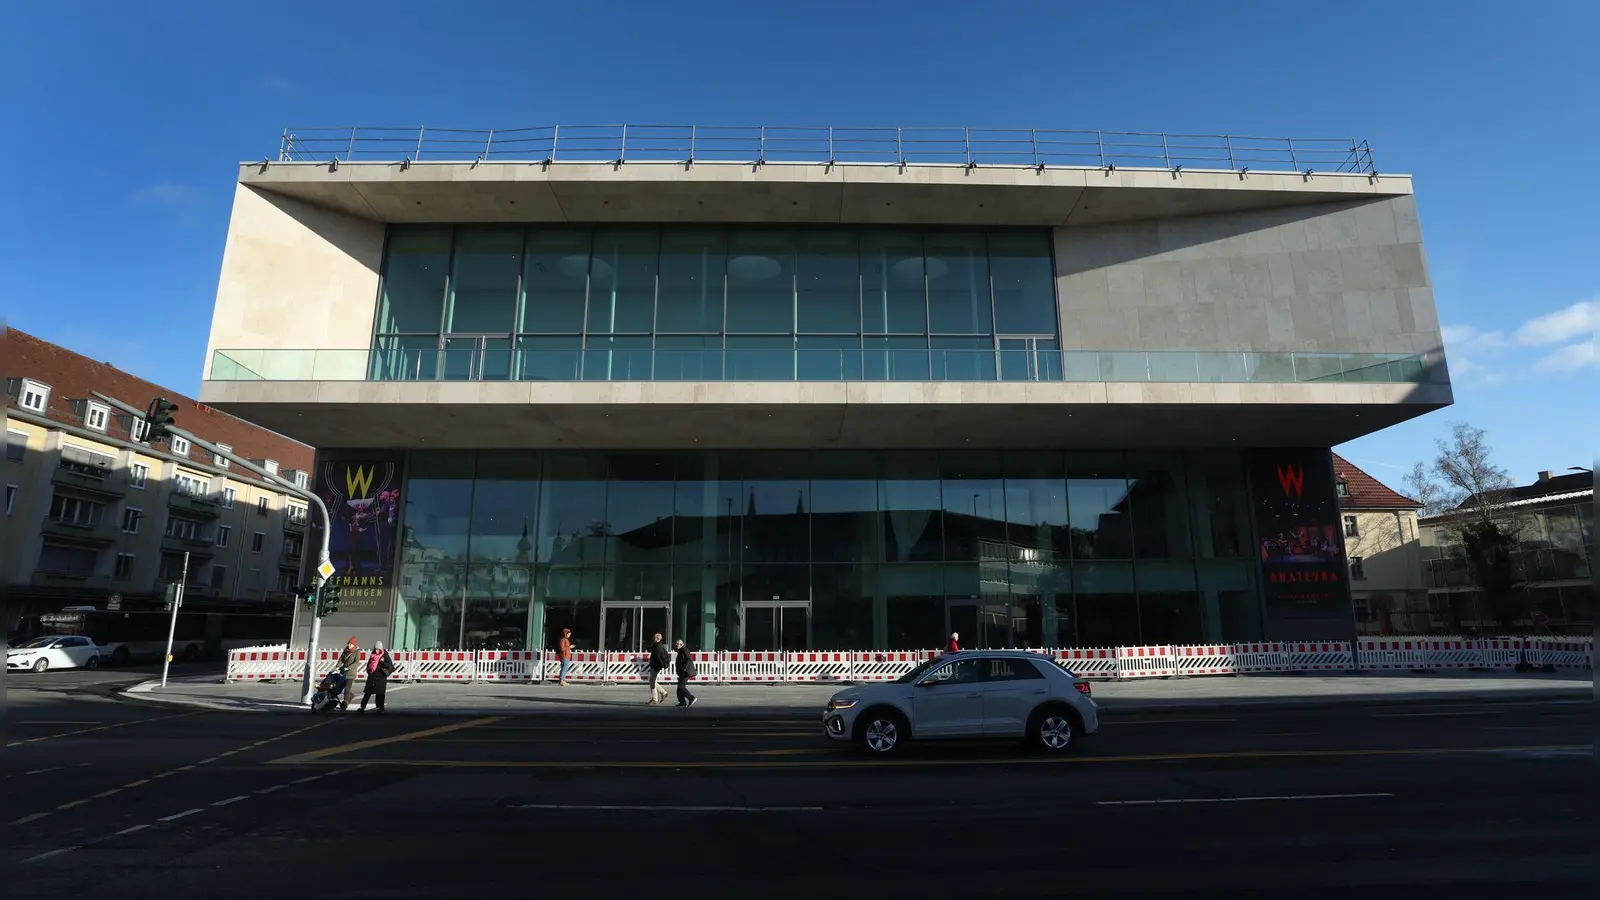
(37, 643)
(916, 673)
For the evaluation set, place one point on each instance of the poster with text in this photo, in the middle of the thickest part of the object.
(362, 492)
(1298, 533)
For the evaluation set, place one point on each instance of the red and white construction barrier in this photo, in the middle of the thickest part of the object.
(1420, 653)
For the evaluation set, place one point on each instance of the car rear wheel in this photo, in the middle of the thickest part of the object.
(93, 663)
(1052, 730)
(881, 732)
(41, 665)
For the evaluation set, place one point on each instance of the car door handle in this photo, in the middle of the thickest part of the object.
(975, 695)
(1042, 691)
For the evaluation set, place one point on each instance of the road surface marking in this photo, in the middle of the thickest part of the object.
(60, 722)
(44, 856)
(26, 819)
(565, 807)
(1291, 733)
(268, 790)
(72, 804)
(103, 794)
(51, 737)
(231, 800)
(183, 768)
(130, 830)
(1438, 715)
(1116, 721)
(208, 761)
(1239, 799)
(304, 780)
(42, 771)
(381, 742)
(134, 784)
(1014, 761)
(175, 816)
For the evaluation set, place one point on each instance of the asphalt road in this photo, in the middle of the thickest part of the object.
(104, 795)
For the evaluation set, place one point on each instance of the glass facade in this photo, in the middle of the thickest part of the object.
(752, 304)
(825, 550)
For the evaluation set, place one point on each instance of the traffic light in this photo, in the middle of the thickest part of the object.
(158, 418)
(307, 594)
(328, 599)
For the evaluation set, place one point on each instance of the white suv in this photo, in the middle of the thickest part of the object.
(971, 694)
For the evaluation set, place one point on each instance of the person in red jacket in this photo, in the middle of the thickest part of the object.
(954, 646)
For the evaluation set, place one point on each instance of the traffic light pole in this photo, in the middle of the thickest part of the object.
(309, 684)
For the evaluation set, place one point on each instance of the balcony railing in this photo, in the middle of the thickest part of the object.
(203, 504)
(824, 145)
(873, 365)
(98, 533)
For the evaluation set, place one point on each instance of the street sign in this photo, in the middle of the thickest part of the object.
(325, 570)
(114, 602)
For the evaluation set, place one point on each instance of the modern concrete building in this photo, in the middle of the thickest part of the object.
(93, 513)
(819, 388)
(1384, 550)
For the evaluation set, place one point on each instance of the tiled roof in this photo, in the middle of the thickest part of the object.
(72, 376)
(1366, 492)
(1556, 484)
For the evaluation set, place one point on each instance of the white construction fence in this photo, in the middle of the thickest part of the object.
(1411, 654)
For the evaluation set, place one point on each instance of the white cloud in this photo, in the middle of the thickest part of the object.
(1578, 320)
(1465, 337)
(1570, 358)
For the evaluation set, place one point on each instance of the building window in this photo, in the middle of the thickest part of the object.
(295, 514)
(252, 580)
(123, 570)
(286, 580)
(219, 576)
(256, 541)
(34, 396)
(183, 529)
(1357, 571)
(179, 445)
(1351, 528)
(271, 465)
(221, 461)
(1342, 489)
(16, 446)
(224, 532)
(11, 499)
(138, 475)
(75, 511)
(302, 481)
(96, 416)
(137, 429)
(261, 506)
(131, 518)
(228, 496)
(61, 559)
(292, 546)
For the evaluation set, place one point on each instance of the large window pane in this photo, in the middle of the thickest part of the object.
(761, 283)
(688, 358)
(760, 358)
(703, 596)
(1098, 506)
(777, 509)
(496, 611)
(1221, 505)
(958, 284)
(1108, 612)
(828, 283)
(973, 489)
(963, 359)
(1160, 506)
(844, 509)
(483, 281)
(572, 509)
(438, 510)
(571, 599)
(894, 298)
(1036, 508)
(618, 358)
(557, 358)
(622, 282)
(413, 280)
(428, 615)
(639, 507)
(842, 606)
(913, 606)
(505, 500)
(1024, 282)
(707, 503)
(406, 358)
(555, 282)
(895, 359)
(908, 498)
(693, 264)
(1170, 610)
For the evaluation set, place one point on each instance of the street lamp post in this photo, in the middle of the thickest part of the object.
(324, 568)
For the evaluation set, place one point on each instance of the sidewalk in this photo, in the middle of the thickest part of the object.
(787, 700)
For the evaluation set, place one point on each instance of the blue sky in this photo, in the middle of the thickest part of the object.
(127, 123)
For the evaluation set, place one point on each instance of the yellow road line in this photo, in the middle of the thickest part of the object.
(868, 763)
(380, 742)
(51, 737)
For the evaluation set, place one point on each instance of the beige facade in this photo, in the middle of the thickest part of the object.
(1386, 580)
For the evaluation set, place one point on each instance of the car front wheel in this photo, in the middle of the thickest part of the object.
(1052, 731)
(93, 663)
(881, 732)
(41, 665)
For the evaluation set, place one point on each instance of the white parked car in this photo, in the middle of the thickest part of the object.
(971, 694)
(56, 651)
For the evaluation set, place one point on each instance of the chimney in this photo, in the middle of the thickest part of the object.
(1544, 476)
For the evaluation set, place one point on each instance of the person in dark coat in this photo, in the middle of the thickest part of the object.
(660, 659)
(380, 665)
(349, 667)
(685, 661)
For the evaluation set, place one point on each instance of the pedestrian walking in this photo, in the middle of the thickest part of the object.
(564, 653)
(954, 645)
(686, 672)
(349, 667)
(660, 659)
(380, 665)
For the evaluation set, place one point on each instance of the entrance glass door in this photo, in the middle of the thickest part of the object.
(628, 627)
(776, 626)
(1028, 358)
(982, 626)
(475, 357)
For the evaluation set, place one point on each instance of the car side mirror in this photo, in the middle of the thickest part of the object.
(927, 683)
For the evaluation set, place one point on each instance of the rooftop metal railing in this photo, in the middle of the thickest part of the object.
(825, 145)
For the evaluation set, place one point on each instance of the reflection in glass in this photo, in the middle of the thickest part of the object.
(1160, 507)
(844, 509)
(571, 599)
(550, 358)
(572, 511)
(622, 282)
(963, 359)
(761, 282)
(707, 505)
(1108, 610)
(828, 283)
(428, 606)
(842, 606)
(505, 497)
(639, 507)
(777, 527)
(1098, 507)
(1024, 282)
(693, 264)
(913, 606)
(1170, 611)
(414, 272)
(483, 281)
(896, 358)
(828, 358)
(555, 282)
(894, 297)
(909, 498)
(760, 358)
(688, 358)
(617, 358)
(958, 284)
(496, 616)
(438, 505)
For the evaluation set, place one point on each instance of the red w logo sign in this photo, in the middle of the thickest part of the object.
(1292, 477)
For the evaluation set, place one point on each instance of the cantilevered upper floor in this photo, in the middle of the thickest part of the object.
(793, 287)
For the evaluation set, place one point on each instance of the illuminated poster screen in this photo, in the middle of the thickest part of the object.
(1298, 535)
(362, 491)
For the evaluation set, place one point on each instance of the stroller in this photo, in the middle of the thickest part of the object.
(329, 690)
